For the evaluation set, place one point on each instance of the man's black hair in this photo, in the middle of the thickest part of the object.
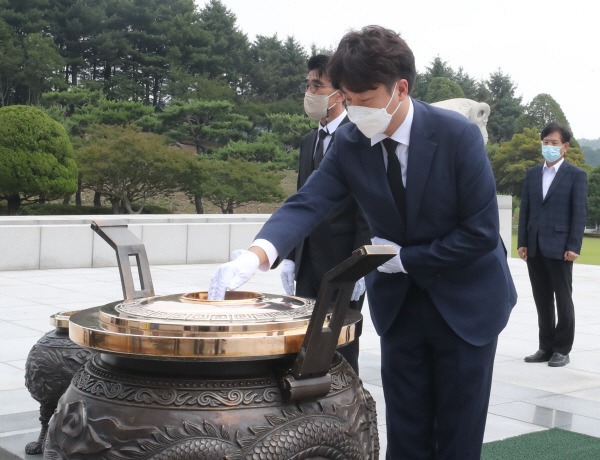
(318, 62)
(372, 56)
(565, 134)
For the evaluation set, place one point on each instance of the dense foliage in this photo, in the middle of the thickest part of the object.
(172, 72)
(128, 166)
(593, 211)
(36, 157)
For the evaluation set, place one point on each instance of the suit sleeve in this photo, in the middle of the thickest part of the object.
(362, 236)
(579, 212)
(304, 210)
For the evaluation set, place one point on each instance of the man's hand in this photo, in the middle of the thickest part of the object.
(232, 275)
(394, 265)
(288, 269)
(359, 289)
(570, 256)
(523, 253)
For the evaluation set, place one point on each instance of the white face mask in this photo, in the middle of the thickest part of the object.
(315, 105)
(372, 121)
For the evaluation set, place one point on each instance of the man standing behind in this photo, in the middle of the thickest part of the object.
(551, 225)
(344, 229)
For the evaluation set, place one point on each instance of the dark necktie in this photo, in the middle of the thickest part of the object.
(394, 174)
(320, 152)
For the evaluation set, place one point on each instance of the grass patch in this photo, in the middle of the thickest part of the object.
(590, 250)
(553, 444)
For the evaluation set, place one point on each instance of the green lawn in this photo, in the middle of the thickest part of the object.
(590, 252)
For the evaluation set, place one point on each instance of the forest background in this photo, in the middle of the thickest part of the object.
(125, 106)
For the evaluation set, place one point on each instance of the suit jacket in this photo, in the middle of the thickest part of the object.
(556, 223)
(342, 231)
(450, 242)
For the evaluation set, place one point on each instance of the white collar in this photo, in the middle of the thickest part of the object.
(555, 166)
(334, 124)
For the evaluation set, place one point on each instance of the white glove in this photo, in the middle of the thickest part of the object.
(288, 270)
(359, 289)
(232, 275)
(394, 265)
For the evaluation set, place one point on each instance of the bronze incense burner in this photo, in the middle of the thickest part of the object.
(255, 376)
(50, 366)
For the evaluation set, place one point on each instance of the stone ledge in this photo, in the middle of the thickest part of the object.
(44, 242)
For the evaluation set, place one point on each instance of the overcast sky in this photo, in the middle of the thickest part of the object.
(546, 46)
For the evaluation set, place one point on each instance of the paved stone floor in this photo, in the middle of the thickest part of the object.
(525, 397)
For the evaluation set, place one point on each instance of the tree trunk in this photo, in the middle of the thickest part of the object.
(116, 204)
(97, 201)
(147, 93)
(67, 200)
(155, 90)
(198, 203)
(14, 204)
(42, 199)
(78, 192)
(129, 208)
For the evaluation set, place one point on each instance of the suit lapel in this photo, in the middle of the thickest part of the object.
(342, 123)
(560, 175)
(420, 156)
(306, 157)
(536, 184)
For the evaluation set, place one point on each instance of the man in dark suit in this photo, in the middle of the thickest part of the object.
(551, 225)
(441, 302)
(345, 228)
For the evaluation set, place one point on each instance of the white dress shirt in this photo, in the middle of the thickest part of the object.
(548, 174)
(330, 129)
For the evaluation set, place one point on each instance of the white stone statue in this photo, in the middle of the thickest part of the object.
(477, 112)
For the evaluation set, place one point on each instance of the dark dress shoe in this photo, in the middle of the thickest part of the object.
(559, 360)
(540, 356)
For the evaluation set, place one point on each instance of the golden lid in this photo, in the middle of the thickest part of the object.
(244, 326)
(61, 319)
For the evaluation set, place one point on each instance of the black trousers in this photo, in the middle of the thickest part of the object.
(552, 279)
(307, 285)
(436, 385)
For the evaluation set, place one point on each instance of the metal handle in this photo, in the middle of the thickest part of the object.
(126, 245)
(308, 375)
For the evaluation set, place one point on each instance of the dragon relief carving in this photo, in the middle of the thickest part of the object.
(327, 431)
(50, 366)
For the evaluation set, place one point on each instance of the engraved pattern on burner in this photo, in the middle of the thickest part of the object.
(137, 309)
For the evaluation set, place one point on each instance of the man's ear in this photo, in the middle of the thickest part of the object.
(566, 146)
(403, 88)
